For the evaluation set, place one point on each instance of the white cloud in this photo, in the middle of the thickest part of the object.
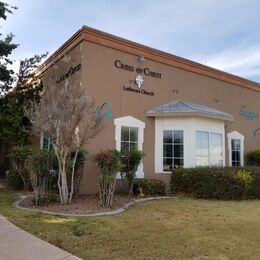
(225, 34)
(238, 61)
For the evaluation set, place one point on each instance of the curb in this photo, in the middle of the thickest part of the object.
(107, 213)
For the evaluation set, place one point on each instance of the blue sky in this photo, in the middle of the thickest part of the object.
(222, 34)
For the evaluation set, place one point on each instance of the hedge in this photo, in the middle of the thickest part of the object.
(149, 187)
(228, 183)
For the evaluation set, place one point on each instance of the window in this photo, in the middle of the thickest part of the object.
(235, 152)
(129, 138)
(209, 149)
(129, 134)
(46, 143)
(172, 149)
(236, 148)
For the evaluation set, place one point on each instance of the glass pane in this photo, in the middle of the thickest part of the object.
(178, 150)
(202, 143)
(167, 136)
(178, 137)
(235, 144)
(235, 163)
(133, 134)
(178, 163)
(124, 133)
(167, 150)
(235, 155)
(216, 153)
(167, 164)
(45, 144)
(133, 146)
(124, 146)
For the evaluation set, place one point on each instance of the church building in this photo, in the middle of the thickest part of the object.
(178, 112)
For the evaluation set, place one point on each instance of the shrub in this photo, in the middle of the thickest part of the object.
(108, 163)
(40, 170)
(217, 183)
(14, 180)
(18, 156)
(253, 158)
(79, 167)
(254, 191)
(130, 161)
(149, 187)
(246, 177)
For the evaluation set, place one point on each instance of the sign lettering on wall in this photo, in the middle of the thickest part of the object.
(144, 71)
(248, 114)
(139, 79)
(70, 71)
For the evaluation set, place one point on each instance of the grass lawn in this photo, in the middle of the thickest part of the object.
(168, 229)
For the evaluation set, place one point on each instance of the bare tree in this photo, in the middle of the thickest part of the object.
(67, 115)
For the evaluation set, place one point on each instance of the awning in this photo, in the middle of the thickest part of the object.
(186, 108)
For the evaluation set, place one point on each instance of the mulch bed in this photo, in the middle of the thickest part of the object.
(81, 204)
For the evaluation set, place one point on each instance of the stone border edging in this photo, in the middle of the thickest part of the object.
(107, 213)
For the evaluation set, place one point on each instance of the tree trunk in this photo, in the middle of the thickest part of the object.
(64, 184)
(62, 177)
(72, 175)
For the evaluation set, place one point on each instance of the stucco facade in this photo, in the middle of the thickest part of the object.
(108, 67)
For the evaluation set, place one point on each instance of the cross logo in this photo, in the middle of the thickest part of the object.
(139, 81)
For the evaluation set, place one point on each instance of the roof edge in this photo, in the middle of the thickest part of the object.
(115, 42)
(190, 114)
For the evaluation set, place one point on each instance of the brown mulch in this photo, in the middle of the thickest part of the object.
(81, 204)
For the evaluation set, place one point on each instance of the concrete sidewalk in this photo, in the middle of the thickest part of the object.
(16, 244)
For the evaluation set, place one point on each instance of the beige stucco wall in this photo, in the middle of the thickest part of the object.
(104, 82)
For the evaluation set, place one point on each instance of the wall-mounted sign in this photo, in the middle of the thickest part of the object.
(105, 111)
(70, 71)
(134, 90)
(248, 114)
(144, 71)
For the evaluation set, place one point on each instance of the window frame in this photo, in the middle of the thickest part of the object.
(235, 135)
(129, 141)
(210, 148)
(42, 137)
(172, 144)
(129, 121)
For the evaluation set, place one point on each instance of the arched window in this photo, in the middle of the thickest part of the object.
(129, 134)
(236, 148)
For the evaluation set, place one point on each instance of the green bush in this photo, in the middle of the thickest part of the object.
(246, 177)
(149, 187)
(130, 160)
(18, 156)
(218, 183)
(253, 158)
(40, 170)
(108, 163)
(14, 180)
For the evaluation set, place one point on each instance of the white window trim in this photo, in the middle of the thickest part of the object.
(41, 140)
(130, 121)
(173, 130)
(235, 135)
